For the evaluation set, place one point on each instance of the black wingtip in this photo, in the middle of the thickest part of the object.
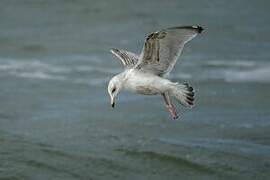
(198, 28)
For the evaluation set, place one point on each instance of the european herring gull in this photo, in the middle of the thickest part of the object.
(147, 73)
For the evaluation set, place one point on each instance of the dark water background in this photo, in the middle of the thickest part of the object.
(55, 118)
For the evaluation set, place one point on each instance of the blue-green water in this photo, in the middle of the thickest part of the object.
(55, 117)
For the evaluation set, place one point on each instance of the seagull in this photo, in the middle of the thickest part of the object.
(147, 73)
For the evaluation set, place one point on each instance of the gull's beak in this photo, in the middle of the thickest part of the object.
(112, 102)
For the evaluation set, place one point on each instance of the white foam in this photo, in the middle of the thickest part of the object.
(33, 69)
(38, 75)
(229, 71)
(236, 63)
(48, 70)
(235, 71)
(84, 68)
(30, 65)
(259, 74)
(92, 82)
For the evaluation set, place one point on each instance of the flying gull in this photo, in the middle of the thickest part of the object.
(147, 73)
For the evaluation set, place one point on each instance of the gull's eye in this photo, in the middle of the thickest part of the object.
(113, 90)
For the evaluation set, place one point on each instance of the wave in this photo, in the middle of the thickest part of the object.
(239, 71)
(38, 75)
(229, 156)
(239, 147)
(166, 158)
(82, 72)
(230, 63)
(30, 65)
(260, 74)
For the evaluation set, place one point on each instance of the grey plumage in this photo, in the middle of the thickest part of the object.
(161, 50)
(128, 59)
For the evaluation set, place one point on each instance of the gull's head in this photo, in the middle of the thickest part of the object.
(114, 86)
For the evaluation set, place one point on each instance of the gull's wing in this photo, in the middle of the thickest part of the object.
(162, 49)
(128, 59)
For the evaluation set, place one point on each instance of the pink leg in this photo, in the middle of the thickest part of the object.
(169, 105)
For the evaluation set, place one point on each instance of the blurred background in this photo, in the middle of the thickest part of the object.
(55, 118)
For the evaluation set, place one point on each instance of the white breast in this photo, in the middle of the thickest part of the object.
(143, 83)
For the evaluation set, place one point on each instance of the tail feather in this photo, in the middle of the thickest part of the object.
(183, 93)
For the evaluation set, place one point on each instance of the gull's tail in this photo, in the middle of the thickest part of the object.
(183, 93)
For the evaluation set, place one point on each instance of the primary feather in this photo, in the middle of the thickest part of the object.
(162, 49)
(128, 59)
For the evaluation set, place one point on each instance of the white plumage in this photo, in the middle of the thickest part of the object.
(145, 73)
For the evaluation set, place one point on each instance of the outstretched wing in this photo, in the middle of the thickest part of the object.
(162, 49)
(128, 59)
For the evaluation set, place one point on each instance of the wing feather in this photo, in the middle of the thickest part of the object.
(162, 49)
(128, 59)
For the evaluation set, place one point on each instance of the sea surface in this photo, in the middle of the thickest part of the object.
(55, 116)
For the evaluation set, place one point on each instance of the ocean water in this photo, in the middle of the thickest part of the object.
(55, 117)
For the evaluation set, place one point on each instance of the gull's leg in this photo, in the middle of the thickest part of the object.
(169, 105)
